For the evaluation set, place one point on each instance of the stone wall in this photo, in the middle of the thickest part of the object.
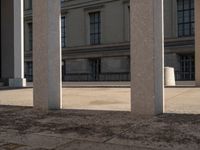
(115, 64)
(77, 66)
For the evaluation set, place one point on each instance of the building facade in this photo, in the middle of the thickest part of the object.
(96, 39)
(179, 37)
(146, 48)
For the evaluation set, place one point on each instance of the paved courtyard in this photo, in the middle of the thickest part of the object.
(23, 128)
(177, 100)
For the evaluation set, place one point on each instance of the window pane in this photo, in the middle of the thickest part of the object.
(180, 4)
(180, 17)
(180, 29)
(187, 29)
(186, 16)
(192, 15)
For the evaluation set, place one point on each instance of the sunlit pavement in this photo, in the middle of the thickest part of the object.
(177, 100)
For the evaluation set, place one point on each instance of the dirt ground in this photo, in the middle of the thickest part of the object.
(22, 128)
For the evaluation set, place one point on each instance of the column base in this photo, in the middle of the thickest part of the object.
(17, 82)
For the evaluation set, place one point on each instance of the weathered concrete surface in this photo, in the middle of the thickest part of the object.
(47, 55)
(197, 42)
(177, 100)
(27, 129)
(147, 57)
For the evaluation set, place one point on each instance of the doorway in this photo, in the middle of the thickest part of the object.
(95, 64)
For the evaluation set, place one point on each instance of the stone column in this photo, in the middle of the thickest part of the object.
(147, 88)
(12, 44)
(18, 80)
(197, 42)
(46, 54)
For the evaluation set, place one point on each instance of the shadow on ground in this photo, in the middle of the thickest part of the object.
(23, 128)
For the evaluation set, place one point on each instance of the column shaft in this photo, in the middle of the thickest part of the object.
(18, 39)
(147, 88)
(197, 42)
(18, 80)
(46, 54)
(12, 42)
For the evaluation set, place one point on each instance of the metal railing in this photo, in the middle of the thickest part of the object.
(97, 77)
(184, 76)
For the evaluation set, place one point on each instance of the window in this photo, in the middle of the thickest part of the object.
(95, 28)
(28, 4)
(127, 22)
(62, 1)
(30, 36)
(29, 72)
(187, 67)
(185, 17)
(63, 31)
(63, 69)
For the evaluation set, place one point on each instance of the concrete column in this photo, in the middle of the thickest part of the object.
(12, 50)
(18, 80)
(46, 54)
(147, 87)
(169, 76)
(197, 42)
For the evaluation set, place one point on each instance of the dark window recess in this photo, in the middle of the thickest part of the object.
(185, 17)
(29, 72)
(63, 31)
(95, 28)
(187, 71)
(30, 34)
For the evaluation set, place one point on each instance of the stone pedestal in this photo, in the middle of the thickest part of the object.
(46, 54)
(147, 84)
(17, 83)
(197, 42)
(169, 76)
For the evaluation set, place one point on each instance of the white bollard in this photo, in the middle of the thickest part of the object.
(169, 77)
